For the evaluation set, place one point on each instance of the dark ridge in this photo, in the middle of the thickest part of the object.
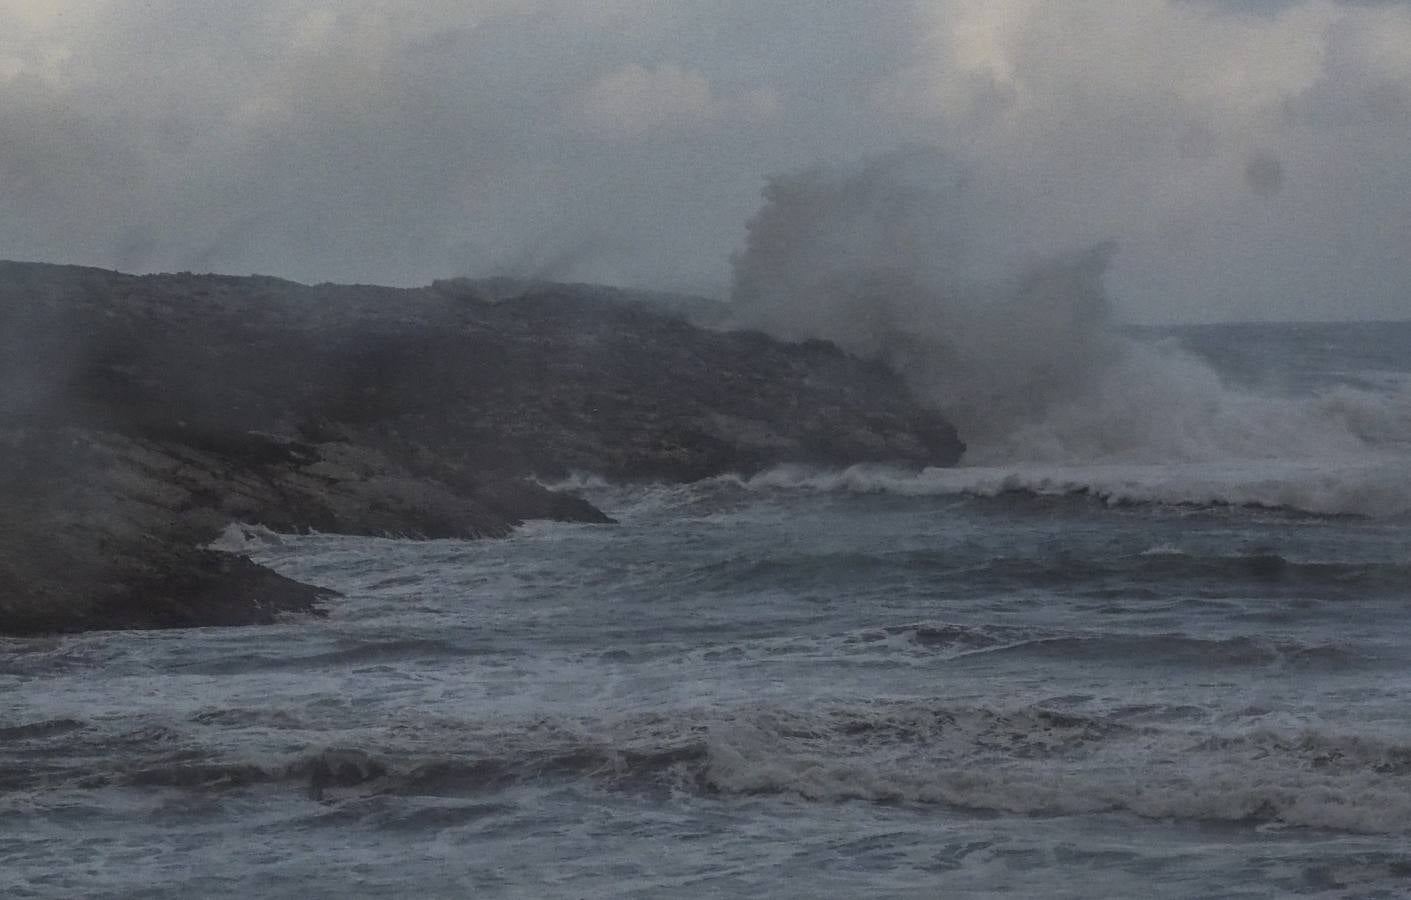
(140, 415)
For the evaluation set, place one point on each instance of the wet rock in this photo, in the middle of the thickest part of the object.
(139, 416)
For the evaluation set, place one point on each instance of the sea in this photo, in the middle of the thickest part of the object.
(1179, 672)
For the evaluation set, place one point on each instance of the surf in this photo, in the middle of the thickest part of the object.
(916, 261)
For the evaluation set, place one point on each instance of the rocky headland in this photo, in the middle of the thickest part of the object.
(141, 415)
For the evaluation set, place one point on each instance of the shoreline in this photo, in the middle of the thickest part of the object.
(144, 414)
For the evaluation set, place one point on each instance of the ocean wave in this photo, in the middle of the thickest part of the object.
(1024, 351)
(354, 653)
(1030, 760)
(575, 482)
(1262, 572)
(243, 538)
(1034, 761)
(41, 729)
(1254, 573)
(926, 643)
(1186, 651)
(1375, 487)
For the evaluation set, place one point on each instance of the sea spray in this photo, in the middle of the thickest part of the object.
(910, 259)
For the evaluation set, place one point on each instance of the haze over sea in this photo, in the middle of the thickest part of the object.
(1060, 679)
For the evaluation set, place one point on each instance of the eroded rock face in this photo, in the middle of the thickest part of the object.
(140, 415)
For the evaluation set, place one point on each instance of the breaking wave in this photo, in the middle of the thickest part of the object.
(917, 261)
(1153, 761)
(1036, 761)
(1377, 486)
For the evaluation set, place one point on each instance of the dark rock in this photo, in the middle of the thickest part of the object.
(141, 415)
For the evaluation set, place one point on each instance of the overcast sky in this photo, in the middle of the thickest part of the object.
(1251, 158)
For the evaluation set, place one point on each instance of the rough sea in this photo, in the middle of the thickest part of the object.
(1178, 675)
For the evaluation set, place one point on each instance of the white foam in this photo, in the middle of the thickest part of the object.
(910, 259)
(1374, 485)
(238, 537)
(1152, 403)
(576, 481)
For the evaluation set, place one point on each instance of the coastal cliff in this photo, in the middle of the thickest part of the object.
(141, 415)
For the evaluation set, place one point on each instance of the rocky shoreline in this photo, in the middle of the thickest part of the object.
(141, 415)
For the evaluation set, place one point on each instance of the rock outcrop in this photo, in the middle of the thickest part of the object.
(141, 415)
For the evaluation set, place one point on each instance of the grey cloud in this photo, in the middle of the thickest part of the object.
(1274, 7)
(454, 141)
(207, 135)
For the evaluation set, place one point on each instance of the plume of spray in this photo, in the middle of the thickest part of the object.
(914, 260)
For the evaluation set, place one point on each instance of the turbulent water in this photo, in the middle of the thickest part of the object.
(1179, 678)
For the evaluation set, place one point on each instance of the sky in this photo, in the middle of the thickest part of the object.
(1250, 159)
